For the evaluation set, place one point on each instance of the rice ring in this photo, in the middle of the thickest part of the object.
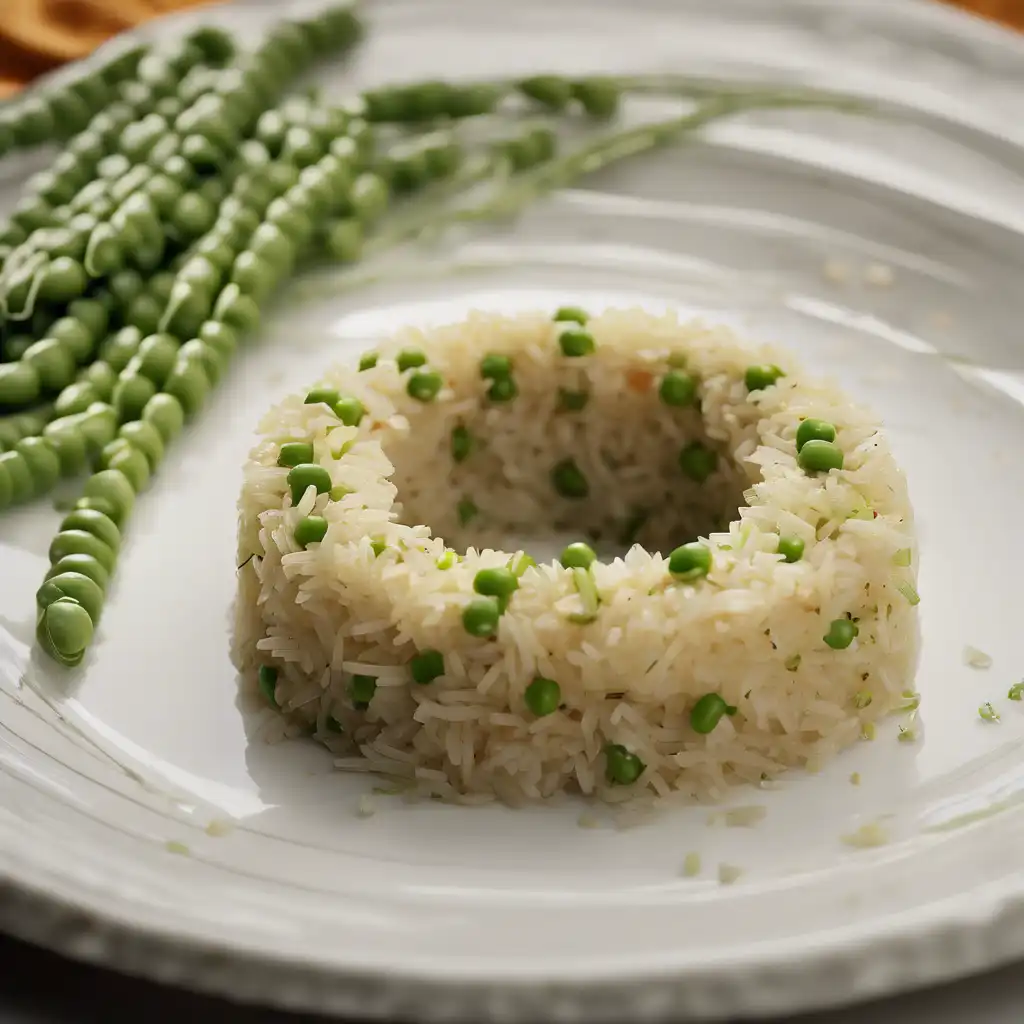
(383, 586)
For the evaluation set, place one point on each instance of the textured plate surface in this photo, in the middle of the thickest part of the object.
(889, 254)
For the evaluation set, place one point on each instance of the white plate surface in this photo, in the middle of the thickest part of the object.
(889, 254)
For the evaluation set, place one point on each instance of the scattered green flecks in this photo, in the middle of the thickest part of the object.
(908, 591)
(691, 864)
(988, 713)
(267, 681)
(862, 699)
(1016, 692)
(902, 558)
(174, 846)
(792, 663)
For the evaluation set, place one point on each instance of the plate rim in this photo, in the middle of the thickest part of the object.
(960, 939)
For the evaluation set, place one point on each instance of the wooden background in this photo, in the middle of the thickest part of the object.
(39, 34)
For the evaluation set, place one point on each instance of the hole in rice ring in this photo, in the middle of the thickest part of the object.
(743, 600)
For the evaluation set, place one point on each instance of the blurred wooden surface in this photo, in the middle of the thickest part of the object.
(39, 34)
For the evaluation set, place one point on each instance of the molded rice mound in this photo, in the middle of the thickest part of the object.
(410, 525)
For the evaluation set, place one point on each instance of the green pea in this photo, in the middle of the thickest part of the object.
(501, 583)
(427, 666)
(571, 314)
(254, 276)
(424, 385)
(63, 280)
(542, 697)
(369, 197)
(295, 453)
(678, 389)
(266, 679)
(270, 243)
(578, 556)
(220, 337)
(697, 461)
(690, 561)
(820, 456)
(495, 366)
(361, 689)
(65, 631)
(504, 389)
(42, 461)
(193, 215)
(156, 356)
(19, 384)
(576, 343)
(53, 364)
(122, 455)
(119, 349)
(164, 192)
(568, 480)
(166, 414)
(126, 286)
(188, 383)
(707, 712)
(91, 314)
(92, 521)
(74, 336)
(551, 91)
(236, 310)
(205, 356)
(791, 549)
(31, 212)
(814, 430)
(307, 475)
(131, 393)
(310, 530)
(572, 401)
(480, 617)
(301, 146)
(84, 565)
(367, 361)
(622, 767)
(75, 586)
(349, 410)
(472, 100)
(409, 358)
(841, 633)
(145, 438)
(203, 154)
(80, 542)
(599, 97)
(461, 443)
(345, 240)
(112, 486)
(16, 345)
(757, 378)
(98, 424)
(101, 377)
(14, 464)
(145, 314)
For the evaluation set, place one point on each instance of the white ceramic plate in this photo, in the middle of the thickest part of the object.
(888, 253)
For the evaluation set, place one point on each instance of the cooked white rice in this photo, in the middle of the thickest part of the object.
(752, 630)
